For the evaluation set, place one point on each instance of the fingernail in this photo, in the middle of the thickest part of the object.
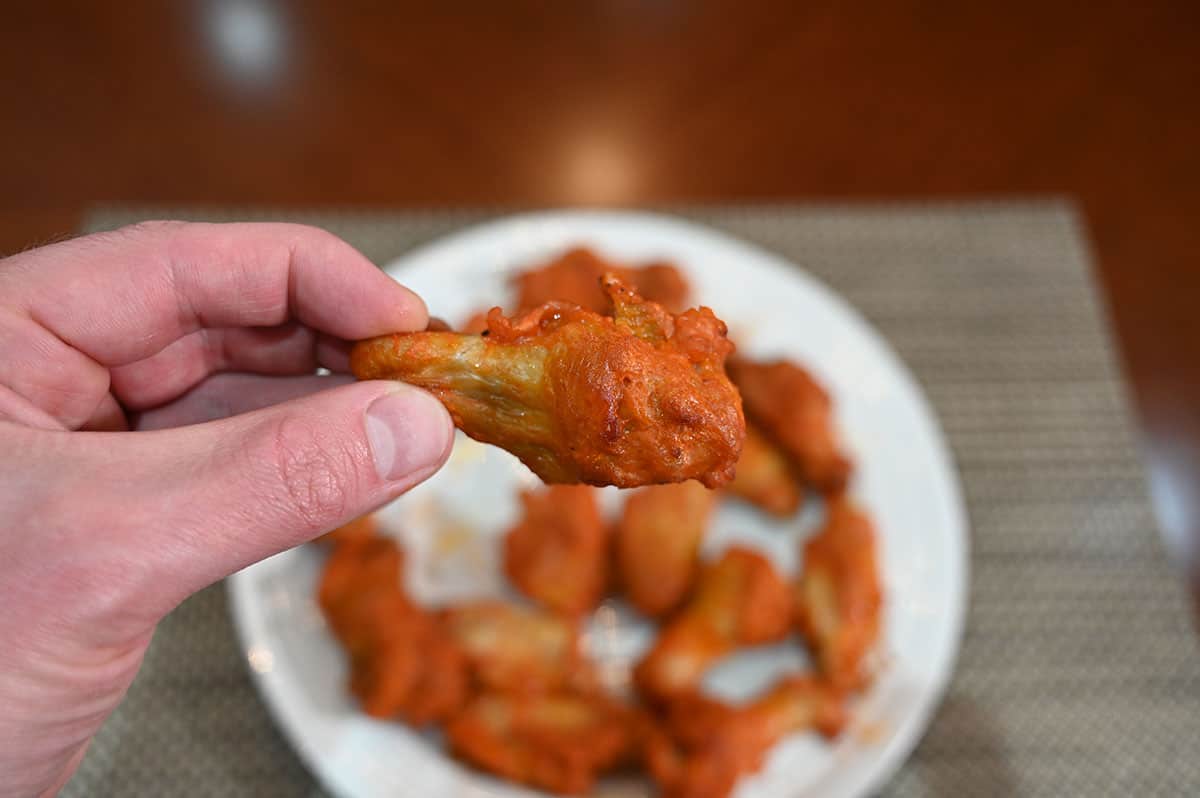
(407, 431)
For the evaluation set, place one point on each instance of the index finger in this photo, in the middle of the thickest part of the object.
(121, 297)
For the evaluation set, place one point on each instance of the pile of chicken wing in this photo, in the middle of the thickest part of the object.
(510, 683)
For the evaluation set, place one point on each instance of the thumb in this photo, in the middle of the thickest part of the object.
(194, 504)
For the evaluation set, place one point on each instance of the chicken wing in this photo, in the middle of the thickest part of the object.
(575, 276)
(557, 742)
(838, 596)
(414, 673)
(558, 553)
(519, 649)
(797, 414)
(765, 477)
(636, 399)
(657, 543)
(360, 570)
(739, 600)
(704, 746)
(401, 664)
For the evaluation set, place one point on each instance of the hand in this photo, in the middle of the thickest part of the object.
(121, 492)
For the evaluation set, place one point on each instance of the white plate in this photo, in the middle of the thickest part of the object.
(452, 523)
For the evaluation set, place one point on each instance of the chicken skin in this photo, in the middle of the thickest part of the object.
(558, 553)
(796, 413)
(519, 649)
(704, 746)
(657, 543)
(635, 399)
(838, 596)
(765, 477)
(739, 600)
(574, 277)
(558, 742)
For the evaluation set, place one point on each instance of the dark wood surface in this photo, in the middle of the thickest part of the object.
(623, 102)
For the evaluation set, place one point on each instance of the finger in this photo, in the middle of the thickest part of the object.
(19, 410)
(71, 311)
(36, 365)
(286, 349)
(108, 416)
(135, 290)
(224, 395)
(162, 514)
(334, 354)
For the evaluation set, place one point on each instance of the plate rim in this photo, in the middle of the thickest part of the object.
(865, 781)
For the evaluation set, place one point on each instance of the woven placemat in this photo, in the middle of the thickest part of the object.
(1079, 672)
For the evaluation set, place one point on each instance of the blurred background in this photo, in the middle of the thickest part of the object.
(643, 102)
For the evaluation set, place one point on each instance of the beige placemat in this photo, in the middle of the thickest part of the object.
(1079, 673)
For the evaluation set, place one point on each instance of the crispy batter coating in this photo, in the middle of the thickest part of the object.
(657, 543)
(838, 596)
(703, 746)
(636, 399)
(401, 663)
(557, 742)
(797, 414)
(574, 277)
(558, 553)
(739, 600)
(519, 649)
(765, 477)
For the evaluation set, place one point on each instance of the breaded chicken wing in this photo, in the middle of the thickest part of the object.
(557, 554)
(414, 673)
(796, 413)
(636, 399)
(401, 664)
(739, 600)
(519, 649)
(765, 477)
(704, 746)
(359, 571)
(838, 596)
(574, 277)
(657, 543)
(558, 742)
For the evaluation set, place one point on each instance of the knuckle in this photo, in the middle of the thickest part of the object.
(318, 474)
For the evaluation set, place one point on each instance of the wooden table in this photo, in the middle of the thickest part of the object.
(624, 103)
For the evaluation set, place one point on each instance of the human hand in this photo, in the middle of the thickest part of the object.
(124, 488)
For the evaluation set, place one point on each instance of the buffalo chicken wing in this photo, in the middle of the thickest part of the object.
(704, 746)
(635, 399)
(797, 414)
(657, 544)
(739, 600)
(558, 742)
(838, 595)
(519, 649)
(558, 553)
(765, 477)
(575, 276)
